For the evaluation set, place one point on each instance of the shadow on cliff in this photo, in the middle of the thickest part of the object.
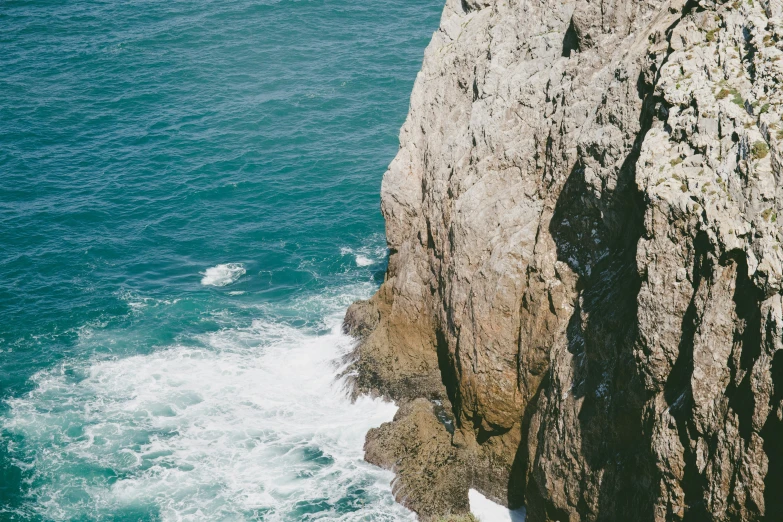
(597, 235)
(773, 435)
(601, 335)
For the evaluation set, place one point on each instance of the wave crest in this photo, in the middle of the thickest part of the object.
(222, 275)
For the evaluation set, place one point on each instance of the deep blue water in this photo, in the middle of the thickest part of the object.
(188, 202)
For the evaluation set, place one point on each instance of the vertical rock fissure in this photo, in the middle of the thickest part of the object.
(570, 41)
(772, 433)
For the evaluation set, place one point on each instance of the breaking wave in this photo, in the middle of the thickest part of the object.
(222, 275)
(241, 424)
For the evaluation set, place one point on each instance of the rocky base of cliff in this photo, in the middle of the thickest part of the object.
(435, 464)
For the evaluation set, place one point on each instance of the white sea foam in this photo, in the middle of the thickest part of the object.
(222, 275)
(487, 511)
(364, 261)
(137, 302)
(366, 255)
(248, 425)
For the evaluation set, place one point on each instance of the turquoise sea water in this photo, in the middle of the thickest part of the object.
(188, 202)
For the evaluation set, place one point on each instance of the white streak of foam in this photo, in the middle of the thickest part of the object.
(487, 511)
(222, 275)
(364, 256)
(364, 261)
(251, 423)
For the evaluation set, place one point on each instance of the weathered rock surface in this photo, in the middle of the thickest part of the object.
(585, 264)
(415, 445)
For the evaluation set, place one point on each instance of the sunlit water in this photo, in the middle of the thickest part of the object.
(188, 203)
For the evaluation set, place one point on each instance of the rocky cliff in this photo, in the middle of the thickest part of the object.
(582, 309)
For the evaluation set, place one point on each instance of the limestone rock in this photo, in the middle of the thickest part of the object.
(585, 262)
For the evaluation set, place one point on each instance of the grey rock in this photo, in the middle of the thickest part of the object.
(585, 260)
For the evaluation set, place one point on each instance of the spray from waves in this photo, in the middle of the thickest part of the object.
(244, 424)
(365, 256)
(222, 275)
(488, 511)
(364, 261)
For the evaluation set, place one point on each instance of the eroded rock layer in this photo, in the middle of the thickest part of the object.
(585, 273)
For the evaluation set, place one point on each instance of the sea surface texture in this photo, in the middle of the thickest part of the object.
(188, 203)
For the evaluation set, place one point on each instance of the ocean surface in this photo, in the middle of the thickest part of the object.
(189, 200)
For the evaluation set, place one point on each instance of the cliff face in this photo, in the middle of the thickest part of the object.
(585, 264)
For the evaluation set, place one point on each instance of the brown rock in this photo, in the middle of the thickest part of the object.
(431, 479)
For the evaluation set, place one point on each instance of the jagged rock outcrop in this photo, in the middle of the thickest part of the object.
(585, 263)
(426, 482)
